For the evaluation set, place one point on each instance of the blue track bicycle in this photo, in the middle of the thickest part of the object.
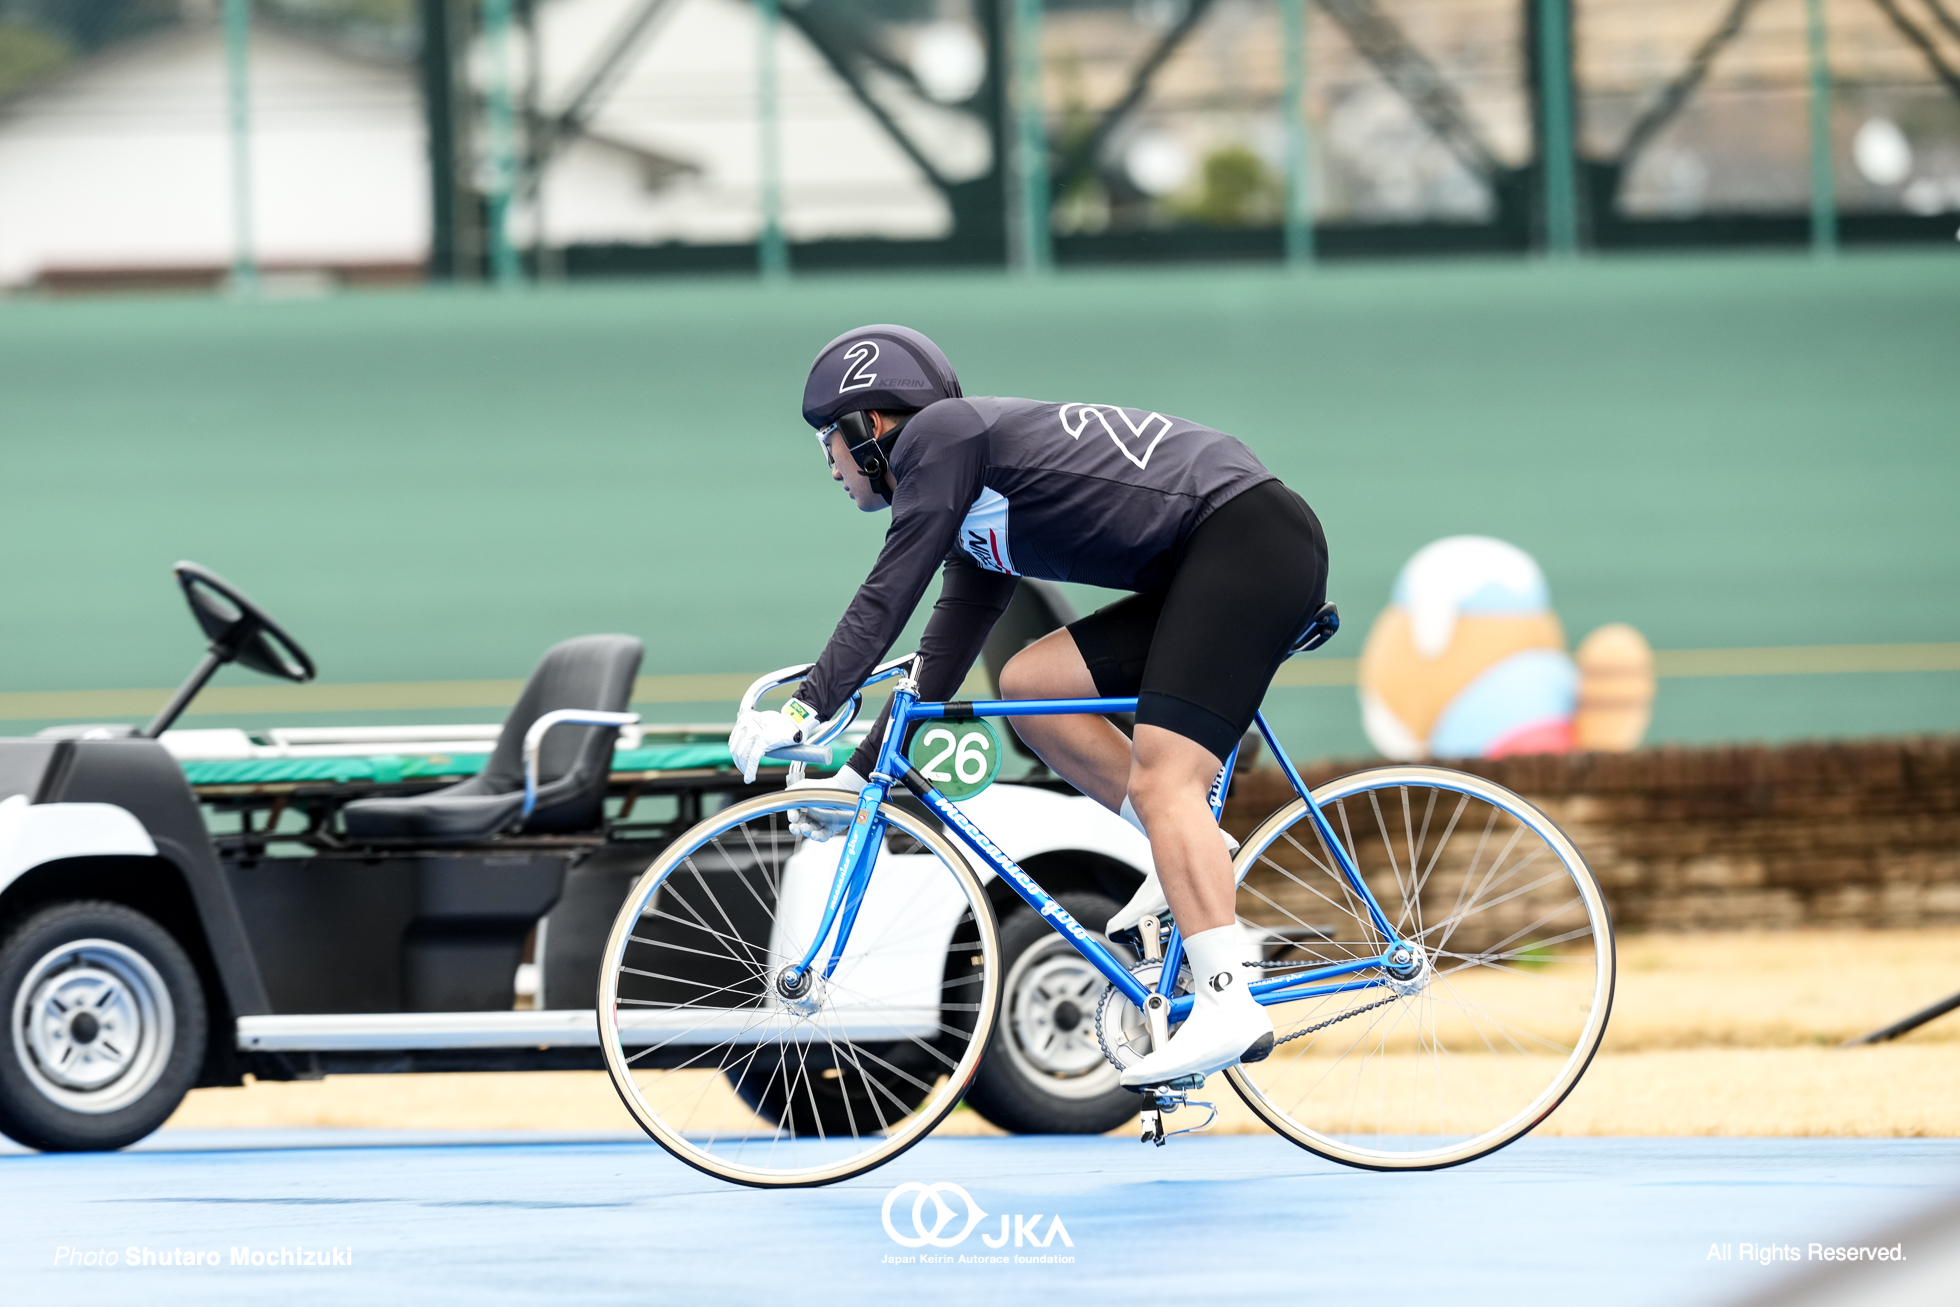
(782, 1010)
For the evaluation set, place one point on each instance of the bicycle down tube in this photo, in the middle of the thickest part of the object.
(859, 859)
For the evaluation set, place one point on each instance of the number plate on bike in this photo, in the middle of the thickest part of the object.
(960, 756)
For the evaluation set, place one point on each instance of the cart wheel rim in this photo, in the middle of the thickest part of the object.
(1052, 995)
(93, 1025)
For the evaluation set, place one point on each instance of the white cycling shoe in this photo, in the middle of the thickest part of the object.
(1226, 1024)
(1149, 900)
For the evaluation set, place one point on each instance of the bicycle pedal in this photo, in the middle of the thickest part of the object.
(1211, 1117)
(1153, 1127)
(1169, 1096)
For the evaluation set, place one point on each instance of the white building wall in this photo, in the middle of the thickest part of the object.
(125, 162)
(691, 96)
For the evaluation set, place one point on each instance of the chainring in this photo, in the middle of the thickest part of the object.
(1120, 1025)
(1124, 1033)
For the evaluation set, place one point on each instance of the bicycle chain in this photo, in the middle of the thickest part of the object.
(1340, 1016)
(1110, 994)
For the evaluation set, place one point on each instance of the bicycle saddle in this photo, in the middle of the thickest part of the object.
(1319, 629)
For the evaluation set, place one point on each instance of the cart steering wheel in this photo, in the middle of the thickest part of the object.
(239, 629)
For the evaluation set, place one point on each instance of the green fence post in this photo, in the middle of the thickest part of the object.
(439, 106)
(504, 266)
(1299, 193)
(1555, 131)
(238, 72)
(1031, 150)
(1823, 185)
(772, 251)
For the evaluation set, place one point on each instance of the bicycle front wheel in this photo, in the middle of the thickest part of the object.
(1506, 990)
(749, 1078)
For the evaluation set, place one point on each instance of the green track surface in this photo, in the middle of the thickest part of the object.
(436, 485)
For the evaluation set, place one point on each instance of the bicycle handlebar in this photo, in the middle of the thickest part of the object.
(816, 748)
(807, 753)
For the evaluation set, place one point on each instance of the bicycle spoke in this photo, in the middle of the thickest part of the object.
(1442, 842)
(745, 1079)
(1548, 878)
(1444, 1059)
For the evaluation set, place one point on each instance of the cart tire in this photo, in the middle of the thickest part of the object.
(1044, 1072)
(106, 1027)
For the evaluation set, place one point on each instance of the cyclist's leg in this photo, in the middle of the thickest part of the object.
(1103, 655)
(1251, 576)
(1085, 750)
(1170, 779)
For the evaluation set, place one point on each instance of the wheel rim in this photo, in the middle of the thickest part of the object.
(1051, 998)
(1493, 1014)
(93, 1025)
(742, 1074)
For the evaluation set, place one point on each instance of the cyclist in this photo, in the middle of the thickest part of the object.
(1226, 566)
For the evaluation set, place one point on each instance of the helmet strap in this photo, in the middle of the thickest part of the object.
(872, 454)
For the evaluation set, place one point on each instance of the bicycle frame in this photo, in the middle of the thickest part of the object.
(859, 859)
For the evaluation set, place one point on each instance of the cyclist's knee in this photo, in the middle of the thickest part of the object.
(1050, 668)
(1018, 676)
(1167, 767)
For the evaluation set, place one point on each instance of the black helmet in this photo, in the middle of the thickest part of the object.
(881, 367)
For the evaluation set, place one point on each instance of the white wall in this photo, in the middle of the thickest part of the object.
(690, 96)
(125, 162)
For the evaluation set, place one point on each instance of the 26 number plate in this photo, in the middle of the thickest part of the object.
(960, 757)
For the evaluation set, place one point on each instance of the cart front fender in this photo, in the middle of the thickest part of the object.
(34, 833)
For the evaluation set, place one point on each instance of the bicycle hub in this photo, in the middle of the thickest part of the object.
(799, 990)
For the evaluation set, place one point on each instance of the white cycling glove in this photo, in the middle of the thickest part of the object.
(759, 730)
(820, 824)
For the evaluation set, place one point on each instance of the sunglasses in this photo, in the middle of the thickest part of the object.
(859, 431)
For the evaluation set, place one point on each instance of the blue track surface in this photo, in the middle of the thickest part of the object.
(517, 1218)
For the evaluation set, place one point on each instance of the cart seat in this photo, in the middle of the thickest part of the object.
(590, 672)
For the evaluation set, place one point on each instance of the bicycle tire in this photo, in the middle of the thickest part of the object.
(1550, 1027)
(803, 1067)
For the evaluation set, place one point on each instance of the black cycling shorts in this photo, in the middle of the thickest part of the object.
(1199, 653)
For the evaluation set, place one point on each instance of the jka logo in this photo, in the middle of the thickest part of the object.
(936, 1222)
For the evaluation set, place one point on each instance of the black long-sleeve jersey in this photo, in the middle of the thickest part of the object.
(1000, 488)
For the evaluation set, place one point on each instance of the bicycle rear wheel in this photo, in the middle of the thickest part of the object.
(1490, 1029)
(743, 1080)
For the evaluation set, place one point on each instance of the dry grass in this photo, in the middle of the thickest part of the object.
(524, 1100)
(1780, 989)
(1903, 1090)
(1711, 1035)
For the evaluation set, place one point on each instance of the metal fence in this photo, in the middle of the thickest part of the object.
(584, 137)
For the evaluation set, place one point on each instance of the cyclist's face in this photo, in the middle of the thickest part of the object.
(844, 468)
